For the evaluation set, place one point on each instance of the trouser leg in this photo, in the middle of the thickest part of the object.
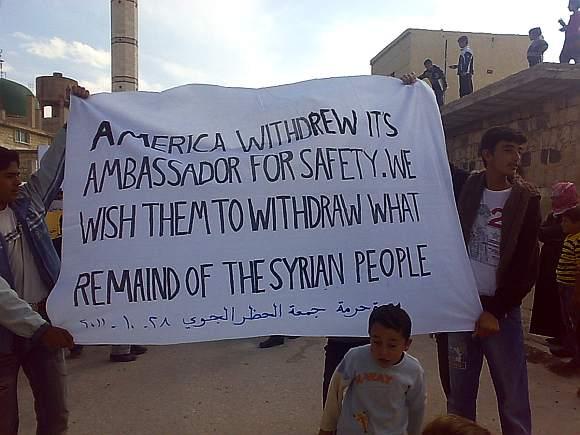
(46, 372)
(9, 367)
(443, 361)
(506, 357)
(465, 362)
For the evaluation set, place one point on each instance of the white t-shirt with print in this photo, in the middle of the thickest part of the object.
(27, 280)
(485, 240)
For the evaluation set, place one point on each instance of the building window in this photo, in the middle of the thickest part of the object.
(21, 136)
(47, 112)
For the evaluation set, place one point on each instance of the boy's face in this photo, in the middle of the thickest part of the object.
(505, 159)
(428, 66)
(387, 345)
(9, 183)
(462, 43)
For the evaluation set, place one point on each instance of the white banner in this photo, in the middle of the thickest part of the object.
(207, 213)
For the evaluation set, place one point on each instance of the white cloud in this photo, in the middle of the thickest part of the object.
(145, 85)
(180, 72)
(75, 51)
(232, 39)
(346, 46)
(101, 83)
(21, 35)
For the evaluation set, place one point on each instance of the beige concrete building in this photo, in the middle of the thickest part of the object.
(496, 56)
(25, 140)
(51, 95)
(544, 103)
(27, 121)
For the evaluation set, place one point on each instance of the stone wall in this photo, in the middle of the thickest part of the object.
(552, 154)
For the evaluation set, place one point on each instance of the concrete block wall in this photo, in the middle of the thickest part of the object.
(553, 150)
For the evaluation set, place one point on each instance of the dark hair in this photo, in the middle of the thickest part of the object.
(536, 32)
(463, 39)
(495, 135)
(391, 317)
(427, 61)
(8, 156)
(572, 214)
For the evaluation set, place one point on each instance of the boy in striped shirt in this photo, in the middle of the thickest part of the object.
(565, 204)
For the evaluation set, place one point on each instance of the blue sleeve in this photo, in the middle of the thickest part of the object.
(45, 183)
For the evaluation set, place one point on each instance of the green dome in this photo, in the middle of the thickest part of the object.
(14, 97)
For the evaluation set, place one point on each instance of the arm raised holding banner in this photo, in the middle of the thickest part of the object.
(45, 183)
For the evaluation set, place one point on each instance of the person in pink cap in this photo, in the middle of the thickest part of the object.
(565, 204)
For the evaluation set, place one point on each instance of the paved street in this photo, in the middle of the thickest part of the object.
(234, 388)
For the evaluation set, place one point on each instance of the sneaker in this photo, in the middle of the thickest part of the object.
(566, 370)
(272, 341)
(138, 350)
(125, 357)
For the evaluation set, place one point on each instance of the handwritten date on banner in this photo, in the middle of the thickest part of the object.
(228, 314)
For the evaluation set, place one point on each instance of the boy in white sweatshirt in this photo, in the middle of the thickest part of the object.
(385, 391)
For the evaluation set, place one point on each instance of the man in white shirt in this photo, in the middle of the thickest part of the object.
(29, 267)
(500, 218)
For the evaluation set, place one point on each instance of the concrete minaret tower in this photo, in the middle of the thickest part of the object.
(124, 49)
(124, 77)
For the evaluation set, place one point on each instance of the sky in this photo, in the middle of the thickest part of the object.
(248, 43)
